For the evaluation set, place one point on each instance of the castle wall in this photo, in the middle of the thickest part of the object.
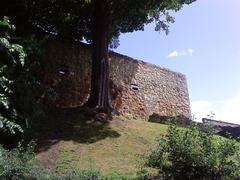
(138, 89)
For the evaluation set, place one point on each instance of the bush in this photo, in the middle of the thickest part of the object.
(80, 175)
(115, 176)
(17, 163)
(193, 154)
(20, 164)
(179, 120)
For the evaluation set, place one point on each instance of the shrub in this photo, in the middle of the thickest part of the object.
(115, 176)
(20, 164)
(80, 175)
(173, 118)
(17, 163)
(193, 154)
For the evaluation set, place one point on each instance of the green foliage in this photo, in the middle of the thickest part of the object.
(74, 19)
(11, 64)
(20, 90)
(17, 163)
(193, 154)
(143, 174)
(116, 175)
(172, 118)
(5, 27)
(20, 163)
(81, 175)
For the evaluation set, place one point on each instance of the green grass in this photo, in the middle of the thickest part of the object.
(112, 153)
(77, 139)
(109, 148)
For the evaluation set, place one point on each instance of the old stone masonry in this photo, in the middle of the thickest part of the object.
(139, 89)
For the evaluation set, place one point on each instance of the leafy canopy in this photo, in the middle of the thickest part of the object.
(74, 18)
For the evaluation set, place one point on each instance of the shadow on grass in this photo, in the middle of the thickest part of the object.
(76, 124)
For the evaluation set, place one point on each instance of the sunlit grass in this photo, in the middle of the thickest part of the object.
(112, 154)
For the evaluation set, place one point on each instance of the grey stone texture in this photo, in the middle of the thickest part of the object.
(138, 89)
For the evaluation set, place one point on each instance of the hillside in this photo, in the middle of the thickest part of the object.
(82, 143)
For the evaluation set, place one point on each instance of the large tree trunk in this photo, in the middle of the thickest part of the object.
(99, 94)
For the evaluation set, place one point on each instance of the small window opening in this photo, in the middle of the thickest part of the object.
(134, 87)
(64, 70)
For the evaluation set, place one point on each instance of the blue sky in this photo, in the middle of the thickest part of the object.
(203, 44)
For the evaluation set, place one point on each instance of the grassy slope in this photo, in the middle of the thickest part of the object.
(111, 153)
(114, 147)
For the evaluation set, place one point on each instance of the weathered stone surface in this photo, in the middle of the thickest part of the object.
(138, 89)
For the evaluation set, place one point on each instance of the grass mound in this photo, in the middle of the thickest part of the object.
(80, 143)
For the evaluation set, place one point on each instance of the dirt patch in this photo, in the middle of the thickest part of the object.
(48, 159)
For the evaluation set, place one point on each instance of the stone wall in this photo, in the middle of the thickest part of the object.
(139, 89)
(67, 70)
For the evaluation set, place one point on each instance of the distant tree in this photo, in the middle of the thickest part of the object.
(99, 22)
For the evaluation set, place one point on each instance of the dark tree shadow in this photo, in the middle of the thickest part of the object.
(76, 124)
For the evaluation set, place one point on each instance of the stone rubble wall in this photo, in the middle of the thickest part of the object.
(72, 88)
(139, 89)
(160, 90)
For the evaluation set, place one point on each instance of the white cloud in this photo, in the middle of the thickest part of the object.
(227, 110)
(231, 111)
(200, 109)
(173, 54)
(188, 52)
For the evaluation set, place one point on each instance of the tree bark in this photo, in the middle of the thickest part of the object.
(99, 94)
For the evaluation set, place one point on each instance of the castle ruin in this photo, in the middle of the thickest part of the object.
(141, 89)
